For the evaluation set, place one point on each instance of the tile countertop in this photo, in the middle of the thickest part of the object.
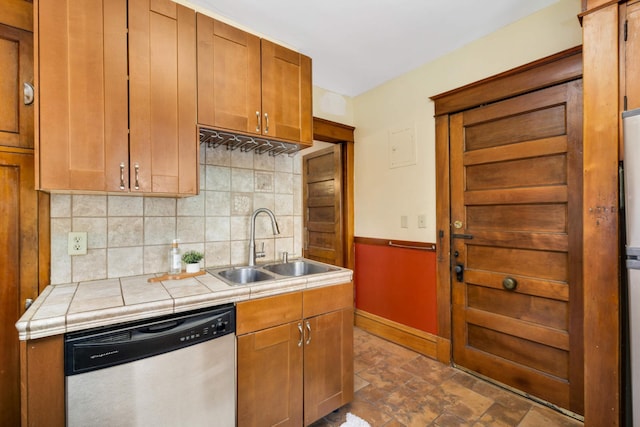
(77, 306)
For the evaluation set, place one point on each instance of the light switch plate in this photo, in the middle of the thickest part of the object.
(404, 221)
(77, 243)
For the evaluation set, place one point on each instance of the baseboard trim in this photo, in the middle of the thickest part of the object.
(422, 342)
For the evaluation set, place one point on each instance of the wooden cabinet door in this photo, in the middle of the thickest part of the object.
(270, 377)
(16, 113)
(286, 94)
(82, 125)
(328, 363)
(228, 77)
(19, 272)
(162, 97)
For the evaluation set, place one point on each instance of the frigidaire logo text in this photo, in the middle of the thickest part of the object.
(105, 354)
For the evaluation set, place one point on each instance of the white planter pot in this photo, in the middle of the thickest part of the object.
(193, 268)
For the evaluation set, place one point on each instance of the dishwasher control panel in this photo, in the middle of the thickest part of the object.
(100, 348)
(215, 327)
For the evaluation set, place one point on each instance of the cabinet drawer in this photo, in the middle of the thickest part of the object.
(267, 312)
(324, 300)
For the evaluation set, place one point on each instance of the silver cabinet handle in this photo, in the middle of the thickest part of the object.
(137, 169)
(122, 187)
(27, 303)
(28, 91)
(257, 121)
(308, 325)
(266, 126)
(301, 334)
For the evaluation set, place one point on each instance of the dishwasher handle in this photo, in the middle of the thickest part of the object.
(161, 327)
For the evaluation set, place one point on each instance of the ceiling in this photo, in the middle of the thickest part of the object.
(357, 45)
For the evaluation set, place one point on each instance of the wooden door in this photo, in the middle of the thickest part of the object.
(228, 77)
(286, 94)
(82, 126)
(19, 272)
(270, 377)
(16, 114)
(322, 193)
(162, 97)
(328, 363)
(516, 201)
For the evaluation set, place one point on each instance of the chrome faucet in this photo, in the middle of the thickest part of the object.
(252, 240)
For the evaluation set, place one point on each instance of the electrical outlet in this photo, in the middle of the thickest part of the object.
(404, 221)
(422, 221)
(77, 243)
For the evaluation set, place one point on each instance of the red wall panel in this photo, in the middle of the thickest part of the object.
(397, 284)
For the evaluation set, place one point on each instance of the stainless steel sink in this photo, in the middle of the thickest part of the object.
(244, 275)
(297, 268)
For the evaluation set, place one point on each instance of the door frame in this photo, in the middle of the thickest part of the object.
(559, 68)
(338, 133)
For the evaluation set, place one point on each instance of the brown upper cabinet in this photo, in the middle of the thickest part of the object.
(117, 96)
(251, 85)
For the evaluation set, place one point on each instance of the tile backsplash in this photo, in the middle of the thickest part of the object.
(130, 235)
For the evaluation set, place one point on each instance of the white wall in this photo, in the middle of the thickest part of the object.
(384, 194)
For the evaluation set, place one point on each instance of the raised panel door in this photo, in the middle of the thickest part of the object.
(19, 272)
(162, 98)
(516, 207)
(270, 384)
(228, 77)
(82, 121)
(328, 363)
(322, 192)
(16, 113)
(286, 94)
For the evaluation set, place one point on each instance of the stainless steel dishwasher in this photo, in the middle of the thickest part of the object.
(176, 370)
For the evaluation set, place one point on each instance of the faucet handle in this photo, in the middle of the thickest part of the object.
(261, 253)
(285, 257)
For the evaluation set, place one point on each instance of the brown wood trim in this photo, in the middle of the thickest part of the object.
(42, 382)
(348, 161)
(590, 6)
(393, 242)
(17, 13)
(338, 133)
(601, 269)
(554, 69)
(443, 219)
(419, 341)
(444, 350)
(44, 239)
(329, 131)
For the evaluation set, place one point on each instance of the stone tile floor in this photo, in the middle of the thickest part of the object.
(397, 387)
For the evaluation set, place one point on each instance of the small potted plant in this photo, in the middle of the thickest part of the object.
(192, 261)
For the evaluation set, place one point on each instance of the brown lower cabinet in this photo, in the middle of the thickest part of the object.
(295, 356)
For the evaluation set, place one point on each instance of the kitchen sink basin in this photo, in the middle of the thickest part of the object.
(297, 268)
(244, 275)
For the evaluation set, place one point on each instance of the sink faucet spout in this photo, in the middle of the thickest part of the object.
(252, 238)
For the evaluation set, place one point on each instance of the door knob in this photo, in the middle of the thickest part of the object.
(459, 270)
(509, 283)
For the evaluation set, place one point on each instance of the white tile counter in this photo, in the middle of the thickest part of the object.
(76, 306)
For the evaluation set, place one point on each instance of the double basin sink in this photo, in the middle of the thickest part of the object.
(246, 274)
